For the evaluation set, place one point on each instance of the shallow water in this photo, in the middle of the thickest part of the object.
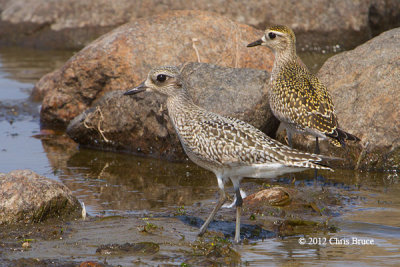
(122, 184)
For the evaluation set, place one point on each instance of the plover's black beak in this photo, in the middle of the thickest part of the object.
(258, 42)
(140, 88)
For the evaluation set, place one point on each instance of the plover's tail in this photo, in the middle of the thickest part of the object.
(296, 158)
(339, 137)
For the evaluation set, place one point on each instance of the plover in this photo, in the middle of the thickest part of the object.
(297, 98)
(230, 148)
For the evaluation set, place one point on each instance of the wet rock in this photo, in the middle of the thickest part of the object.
(275, 196)
(141, 248)
(28, 197)
(140, 124)
(123, 57)
(45, 84)
(73, 23)
(364, 84)
(137, 124)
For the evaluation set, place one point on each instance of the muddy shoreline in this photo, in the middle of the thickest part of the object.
(172, 231)
(169, 235)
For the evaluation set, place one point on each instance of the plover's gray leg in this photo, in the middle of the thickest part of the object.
(316, 146)
(289, 137)
(238, 204)
(221, 201)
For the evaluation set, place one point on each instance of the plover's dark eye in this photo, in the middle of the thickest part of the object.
(271, 35)
(161, 77)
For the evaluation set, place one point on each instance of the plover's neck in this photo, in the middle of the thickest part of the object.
(181, 107)
(282, 60)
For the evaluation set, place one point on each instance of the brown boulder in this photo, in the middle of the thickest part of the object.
(45, 84)
(28, 197)
(140, 124)
(123, 57)
(364, 84)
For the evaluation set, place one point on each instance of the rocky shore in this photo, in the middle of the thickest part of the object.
(82, 105)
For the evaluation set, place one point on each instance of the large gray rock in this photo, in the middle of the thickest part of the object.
(74, 23)
(364, 84)
(140, 124)
(28, 197)
(123, 57)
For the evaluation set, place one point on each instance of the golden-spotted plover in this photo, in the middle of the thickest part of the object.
(228, 147)
(297, 98)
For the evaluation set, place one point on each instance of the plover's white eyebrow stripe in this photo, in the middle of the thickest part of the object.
(277, 33)
(264, 37)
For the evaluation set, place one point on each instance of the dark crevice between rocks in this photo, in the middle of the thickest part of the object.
(53, 123)
(380, 22)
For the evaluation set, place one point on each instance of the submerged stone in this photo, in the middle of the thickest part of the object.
(227, 228)
(141, 248)
(275, 196)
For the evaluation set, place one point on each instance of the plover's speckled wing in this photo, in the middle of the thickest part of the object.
(304, 102)
(230, 142)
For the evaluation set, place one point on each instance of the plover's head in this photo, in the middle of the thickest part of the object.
(164, 80)
(278, 38)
